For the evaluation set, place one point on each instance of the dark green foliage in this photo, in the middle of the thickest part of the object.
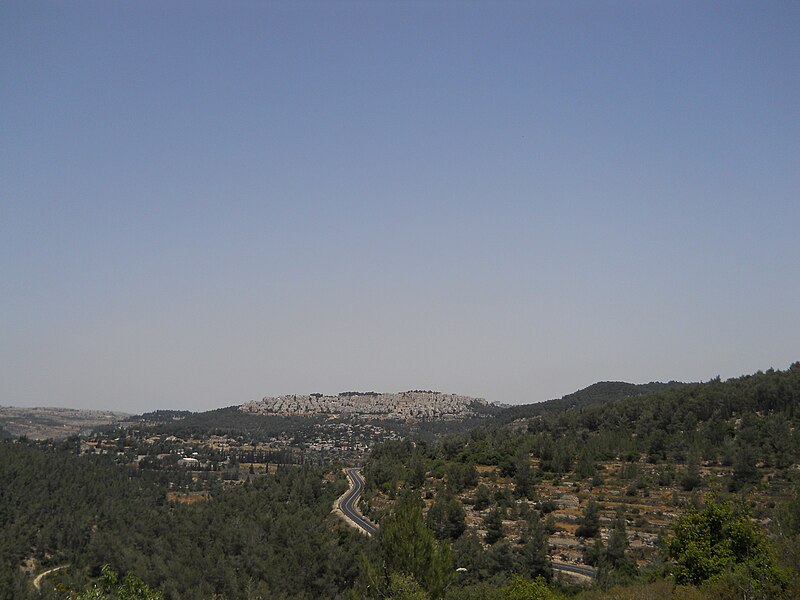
(739, 422)
(468, 554)
(523, 477)
(585, 467)
(161, 416)
(589, 525)
(417, 469)
(271, 534)
(410, 548)
(461, 476)
(483, 498)
(744, 467)
(691, 478)
(786, 530)
(493, 521)
(735, 422)
(534, 561)
(614, 563)
(779, 445)
(597, 393)
(502, 558)
(446, 517)
(232, 421)
(593, 554)
(391, 463)
(720, 539)
(404, 587)
(111, 588)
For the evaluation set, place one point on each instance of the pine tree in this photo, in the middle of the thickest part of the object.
(535, 546)
(615, 564)
(589, 525)
(493, 521)
(410, 547)
(523, 478)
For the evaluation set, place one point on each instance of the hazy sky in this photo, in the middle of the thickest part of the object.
(205, 203)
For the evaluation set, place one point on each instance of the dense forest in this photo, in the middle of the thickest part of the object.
(271, 537)
(741, 421)
(232, 421)
(597, 393)
(258, 428)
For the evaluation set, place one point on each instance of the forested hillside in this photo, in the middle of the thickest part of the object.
(607, 484)
(232, 421)
(748, 419)
(621, 482)
(597, 393)
(271, 537)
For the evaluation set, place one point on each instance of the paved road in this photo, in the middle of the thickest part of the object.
(348, 502)
(348, 507)
(587, 571)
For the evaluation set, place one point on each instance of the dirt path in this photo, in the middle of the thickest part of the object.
(37, 582)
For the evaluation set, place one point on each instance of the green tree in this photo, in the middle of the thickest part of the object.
(535, 544)
(615, 564)
(744, 468)
(589, 524)
(110, 588)
(593, 555)
(585, 467)
(446, 517)
(468, 554)
(523, 476)
(493, 521)
(483, 498)
(720, 539)
(404, 587)
(410, 547)
(522, 589)
(417, 470)
(786, 524)
(691, 478)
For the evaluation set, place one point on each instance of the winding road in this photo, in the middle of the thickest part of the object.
(347, 504)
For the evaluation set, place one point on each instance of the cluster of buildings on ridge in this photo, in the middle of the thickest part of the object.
(403, 406)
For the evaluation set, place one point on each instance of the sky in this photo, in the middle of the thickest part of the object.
(204, 203)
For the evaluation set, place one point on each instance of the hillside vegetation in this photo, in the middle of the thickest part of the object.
(271, 537)
(597, 393)
(605, 482)
(660, 491)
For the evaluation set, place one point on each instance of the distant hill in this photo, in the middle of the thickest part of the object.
(246, 420)
(739, 423)
(42, 423)
(159, 416)
(232, 421)
(597, 393)
(411, 406)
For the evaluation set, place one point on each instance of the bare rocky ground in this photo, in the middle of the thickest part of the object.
(54, 423)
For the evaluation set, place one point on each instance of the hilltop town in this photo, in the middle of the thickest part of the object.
(410, 406)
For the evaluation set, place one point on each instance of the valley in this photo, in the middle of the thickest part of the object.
(585, 492)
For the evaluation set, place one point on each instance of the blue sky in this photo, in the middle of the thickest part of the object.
(205, 203)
